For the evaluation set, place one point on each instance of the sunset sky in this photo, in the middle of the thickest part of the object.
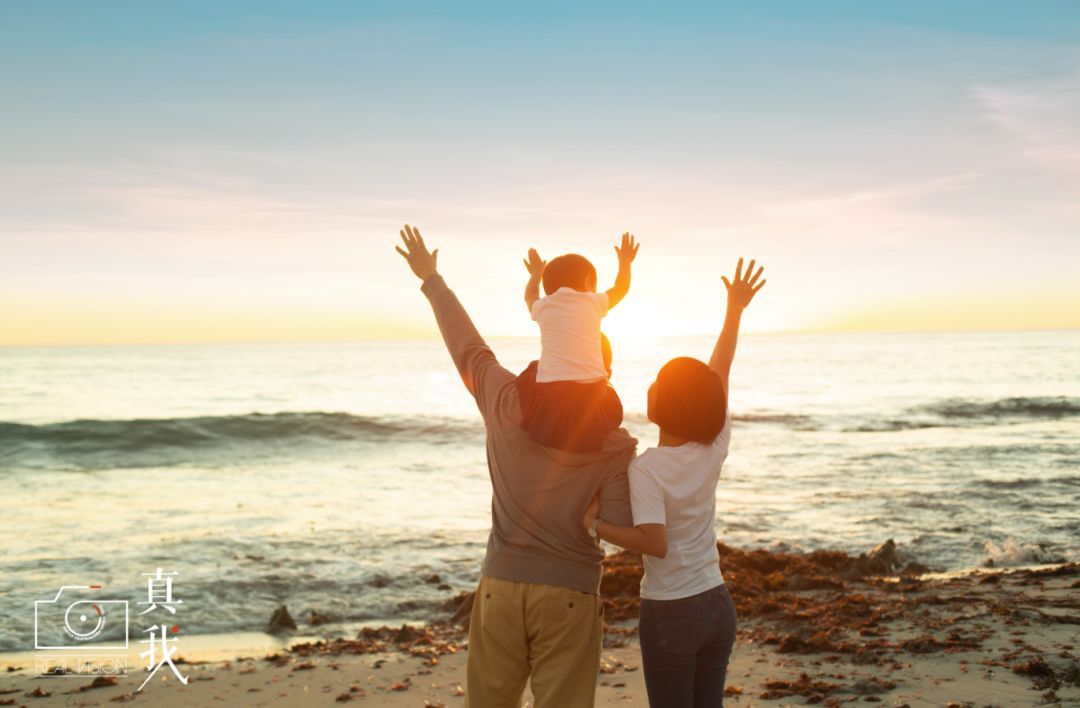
(237, 171)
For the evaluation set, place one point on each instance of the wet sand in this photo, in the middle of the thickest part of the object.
(822, 628)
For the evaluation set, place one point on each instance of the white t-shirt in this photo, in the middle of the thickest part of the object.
(676, 486)
(570, 336)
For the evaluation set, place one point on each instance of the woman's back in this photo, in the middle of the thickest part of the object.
(676, 486)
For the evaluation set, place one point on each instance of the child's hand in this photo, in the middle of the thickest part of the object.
(745, 287)
(628, 251)
(591, 513)
(534, 265)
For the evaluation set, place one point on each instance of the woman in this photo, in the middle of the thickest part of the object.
(687, 620)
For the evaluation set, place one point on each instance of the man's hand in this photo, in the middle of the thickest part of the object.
(745, 286)
(534, 265)
(627, 252)
(422, 263)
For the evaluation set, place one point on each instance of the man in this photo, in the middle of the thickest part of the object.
(537, 613)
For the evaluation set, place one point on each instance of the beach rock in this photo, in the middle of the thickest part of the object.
(100, 682)
(913, 569)
(318, 618)
(434, 579)
(463, 608)
(281, 620)
(884, 559)
(407, 633)
(1072, 674)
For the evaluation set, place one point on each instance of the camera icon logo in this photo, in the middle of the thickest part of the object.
(75, 623)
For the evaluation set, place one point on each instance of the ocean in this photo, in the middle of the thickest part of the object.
(350, 479)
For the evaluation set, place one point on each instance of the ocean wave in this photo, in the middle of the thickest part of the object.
(1017, 407)
(166, 441)
(795, 421)
(98, 444)
(892, 425)
(792, 420)
(1013, 553)
(955, 412)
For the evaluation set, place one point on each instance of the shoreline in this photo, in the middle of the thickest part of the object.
(822, 627)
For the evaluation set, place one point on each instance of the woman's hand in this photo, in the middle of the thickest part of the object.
(422, 263)
(745, 286)
(591, 513)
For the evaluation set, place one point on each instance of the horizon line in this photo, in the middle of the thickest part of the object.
(436, 337)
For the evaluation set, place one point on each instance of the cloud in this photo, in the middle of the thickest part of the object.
(883, 196)
(1043, 117)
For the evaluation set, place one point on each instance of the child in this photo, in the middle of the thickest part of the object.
(687, 620)
(572, 406)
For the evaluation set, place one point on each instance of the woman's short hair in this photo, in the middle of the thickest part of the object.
(689, 400)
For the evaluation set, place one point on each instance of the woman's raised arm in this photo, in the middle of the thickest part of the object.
(740, 291)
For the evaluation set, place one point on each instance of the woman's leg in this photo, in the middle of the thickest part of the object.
(710, 671)
(669, 632)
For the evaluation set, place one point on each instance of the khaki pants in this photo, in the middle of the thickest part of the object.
(522, 630)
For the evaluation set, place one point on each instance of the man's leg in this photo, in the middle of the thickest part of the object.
(565, 629)
(498, 665)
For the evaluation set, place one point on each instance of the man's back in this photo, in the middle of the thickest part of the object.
(539, 494)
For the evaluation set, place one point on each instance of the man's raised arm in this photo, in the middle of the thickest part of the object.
(475, 361)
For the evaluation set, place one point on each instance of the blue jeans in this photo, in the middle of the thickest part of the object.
(685, 647)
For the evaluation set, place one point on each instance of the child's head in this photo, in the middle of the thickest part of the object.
(687, 400)
(570, 271)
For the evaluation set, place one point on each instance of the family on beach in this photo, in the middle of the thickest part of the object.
(564, 475)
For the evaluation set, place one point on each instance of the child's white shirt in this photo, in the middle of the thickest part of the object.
(570, 336)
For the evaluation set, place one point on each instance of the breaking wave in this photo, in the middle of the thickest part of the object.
(164, 441)
(963, 412)
(98, 444)
(1038, 407)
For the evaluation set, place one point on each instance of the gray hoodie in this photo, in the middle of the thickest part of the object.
(539, 493)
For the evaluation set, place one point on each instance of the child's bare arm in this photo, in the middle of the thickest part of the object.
(535, 266)
(626, 253)
(740, 292)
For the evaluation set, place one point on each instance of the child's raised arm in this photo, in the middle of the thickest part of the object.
(739, 294)
(626, 253)
(535, 266)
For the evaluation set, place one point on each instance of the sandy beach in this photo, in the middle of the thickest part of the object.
(822, 628)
